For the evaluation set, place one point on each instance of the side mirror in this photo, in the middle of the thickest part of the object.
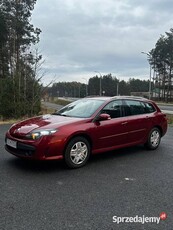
(103, 117)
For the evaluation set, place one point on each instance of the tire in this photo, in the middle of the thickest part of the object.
(154, 138)
(77, 152)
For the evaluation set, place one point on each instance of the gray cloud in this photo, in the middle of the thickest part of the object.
(79, 37)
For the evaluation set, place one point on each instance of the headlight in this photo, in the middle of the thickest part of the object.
(39, 133)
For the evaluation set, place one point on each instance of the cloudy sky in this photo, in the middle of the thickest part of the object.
(80, 37)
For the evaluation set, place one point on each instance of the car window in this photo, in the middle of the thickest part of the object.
(149, 108)
(113, 108)
(81, 108)
(133, 107)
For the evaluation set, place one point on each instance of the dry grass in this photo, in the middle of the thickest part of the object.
(62, 102)
(170, 119)
(12, 121)
(45, 110)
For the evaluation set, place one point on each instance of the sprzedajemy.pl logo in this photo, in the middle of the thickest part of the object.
(139, 219)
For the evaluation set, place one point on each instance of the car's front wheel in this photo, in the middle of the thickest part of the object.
(154, 138)
(77, 152)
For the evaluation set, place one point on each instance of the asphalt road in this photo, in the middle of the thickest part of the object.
(125, 183)
(166, 107)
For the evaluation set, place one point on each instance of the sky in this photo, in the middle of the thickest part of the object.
(82, 37)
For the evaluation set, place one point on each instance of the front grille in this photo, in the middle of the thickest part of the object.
(21, 150)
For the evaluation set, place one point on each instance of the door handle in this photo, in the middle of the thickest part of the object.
(124, 123)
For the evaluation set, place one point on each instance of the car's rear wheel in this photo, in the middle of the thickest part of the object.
(154, 138)
(77, 152)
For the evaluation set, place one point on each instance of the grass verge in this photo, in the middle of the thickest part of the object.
(170, 119)
(61, 102)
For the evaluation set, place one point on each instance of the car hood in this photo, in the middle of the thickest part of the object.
(42, 122)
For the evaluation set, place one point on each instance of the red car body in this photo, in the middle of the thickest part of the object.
(102, 132)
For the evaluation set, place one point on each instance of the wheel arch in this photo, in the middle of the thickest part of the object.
(84, 135)
(159, 128)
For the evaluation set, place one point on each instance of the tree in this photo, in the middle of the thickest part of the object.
(19, 57)
(3, 45)
(124, 88)
(109, 85)
(137, 85)
(161, 59)
(94, 86)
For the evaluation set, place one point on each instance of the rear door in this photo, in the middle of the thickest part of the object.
(139, 122)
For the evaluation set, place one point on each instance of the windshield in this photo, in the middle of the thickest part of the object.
(82, 108)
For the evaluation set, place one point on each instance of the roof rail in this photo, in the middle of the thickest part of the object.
(130, 97)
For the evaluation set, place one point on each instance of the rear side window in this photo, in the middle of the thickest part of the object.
(137, 107)
(149, 108)
(134, 107)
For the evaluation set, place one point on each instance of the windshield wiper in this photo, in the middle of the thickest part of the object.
(60, 114)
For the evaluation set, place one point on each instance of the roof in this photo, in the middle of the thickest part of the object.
(117, 97)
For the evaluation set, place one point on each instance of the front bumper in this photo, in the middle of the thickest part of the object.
(21, 150)
(36, 150)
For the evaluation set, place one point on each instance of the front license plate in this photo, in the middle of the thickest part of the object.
(11, 143)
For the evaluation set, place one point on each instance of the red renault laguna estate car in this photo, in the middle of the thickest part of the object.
(88, 126)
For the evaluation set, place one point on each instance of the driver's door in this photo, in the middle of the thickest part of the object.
(112, 133)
